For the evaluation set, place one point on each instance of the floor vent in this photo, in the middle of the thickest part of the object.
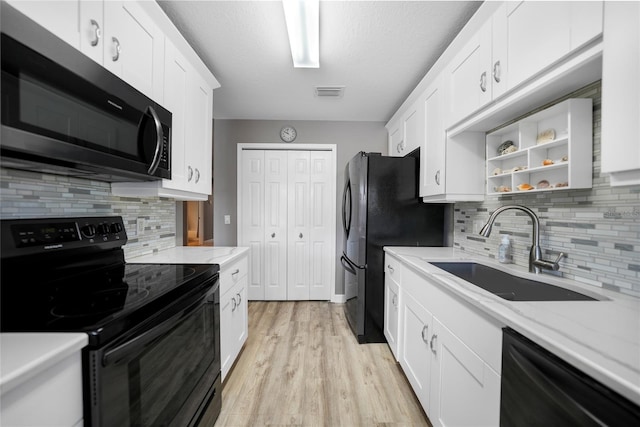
(330, 91)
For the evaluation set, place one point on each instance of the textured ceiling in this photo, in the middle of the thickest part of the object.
(379, 50)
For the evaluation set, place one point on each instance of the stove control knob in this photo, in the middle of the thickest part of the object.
(103, 229)
(88, 231)
(116, 228)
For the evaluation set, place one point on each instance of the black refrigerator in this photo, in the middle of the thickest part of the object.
(381, 207)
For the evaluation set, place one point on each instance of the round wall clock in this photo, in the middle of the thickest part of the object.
(288, 133)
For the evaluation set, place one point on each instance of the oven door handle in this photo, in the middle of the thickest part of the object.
(132, 348)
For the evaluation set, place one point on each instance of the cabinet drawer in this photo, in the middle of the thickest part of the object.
(230, 275)
(393, 268)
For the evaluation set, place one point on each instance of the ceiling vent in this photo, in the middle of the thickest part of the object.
(329, 91)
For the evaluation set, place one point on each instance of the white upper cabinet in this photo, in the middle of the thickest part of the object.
(541, 33)
(91, 25)
(469, 79)
(119, 35)
(621, 93)
(199, 143)
(58, 16)
(396, 139)
(520, 41)
(134, 47)
(432, 157)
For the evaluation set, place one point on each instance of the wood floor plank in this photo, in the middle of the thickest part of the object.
(302, 366)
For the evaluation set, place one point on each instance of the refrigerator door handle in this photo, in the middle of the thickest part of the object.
(352, 264)
(347, 265)
(346, 222)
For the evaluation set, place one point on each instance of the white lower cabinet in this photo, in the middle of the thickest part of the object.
(461, 379)
(392, 306)
(234, 315)
(416, 356)
(52, 397)
(449, 353)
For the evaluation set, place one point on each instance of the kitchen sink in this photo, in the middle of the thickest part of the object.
(507, 286)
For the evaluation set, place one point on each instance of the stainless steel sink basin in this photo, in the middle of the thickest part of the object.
(507, 286)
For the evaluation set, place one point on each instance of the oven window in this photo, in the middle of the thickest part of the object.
(152, 386)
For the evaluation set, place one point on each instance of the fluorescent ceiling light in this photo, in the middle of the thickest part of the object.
(303, 26)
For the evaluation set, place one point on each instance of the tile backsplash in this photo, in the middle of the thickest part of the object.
(25, 194)
(598, 228)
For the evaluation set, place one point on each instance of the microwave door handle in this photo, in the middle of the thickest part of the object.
(158, 154)
(132, 348)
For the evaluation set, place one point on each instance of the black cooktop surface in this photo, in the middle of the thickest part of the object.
(103, 302)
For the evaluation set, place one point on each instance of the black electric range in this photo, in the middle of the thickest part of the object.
(70, 275)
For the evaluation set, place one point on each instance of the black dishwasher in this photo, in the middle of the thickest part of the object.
(540, 389)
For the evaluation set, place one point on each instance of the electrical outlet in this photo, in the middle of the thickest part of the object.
(140, 225)
(227, 219)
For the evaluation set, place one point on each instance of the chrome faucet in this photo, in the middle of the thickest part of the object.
(536, 263)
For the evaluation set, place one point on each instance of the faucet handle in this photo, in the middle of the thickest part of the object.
(549, 265)
(560, 256)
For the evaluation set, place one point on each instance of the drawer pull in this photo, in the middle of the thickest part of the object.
(391, 270)
(235, 272)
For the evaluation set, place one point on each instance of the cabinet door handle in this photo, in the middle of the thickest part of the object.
(189, 173)
(239, 298)
(483, 81)
(391, 270)
(399, 147)
(437, 177)
(273, 235)
(234, 304)
(434, 337)
(497, 71)
(394, 300)
(116, 43)
(97, 33)
(235, 272)
(197, 175)
(425, 334)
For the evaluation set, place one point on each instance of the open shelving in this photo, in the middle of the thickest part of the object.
(562, 160)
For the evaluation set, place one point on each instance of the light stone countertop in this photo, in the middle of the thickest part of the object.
(601, 338)
(221, 255)
(25, 355)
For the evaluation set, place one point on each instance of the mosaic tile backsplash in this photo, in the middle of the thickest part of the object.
(598, 228)
(26, 194)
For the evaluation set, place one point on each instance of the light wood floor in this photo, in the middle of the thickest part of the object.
(302, 366)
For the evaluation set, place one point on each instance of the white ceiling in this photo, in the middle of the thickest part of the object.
(379, 50)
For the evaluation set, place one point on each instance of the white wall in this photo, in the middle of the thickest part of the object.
(349, 137)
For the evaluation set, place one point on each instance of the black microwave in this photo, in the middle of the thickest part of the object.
(63, 113)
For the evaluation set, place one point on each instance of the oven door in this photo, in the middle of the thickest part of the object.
(164, 373)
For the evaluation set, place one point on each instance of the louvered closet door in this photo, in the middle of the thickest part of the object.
(275, 227)
(252, 216)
